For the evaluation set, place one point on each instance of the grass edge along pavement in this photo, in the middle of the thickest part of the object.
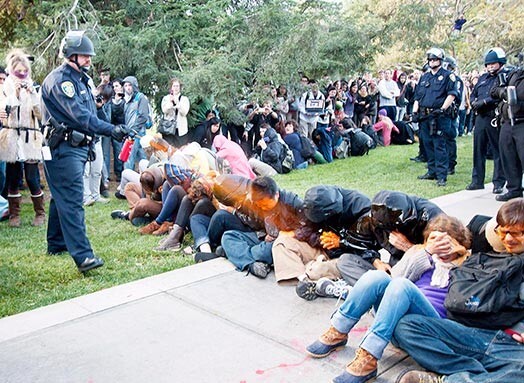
(29, 278)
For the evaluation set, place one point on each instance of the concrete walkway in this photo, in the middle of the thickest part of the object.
(203, 323)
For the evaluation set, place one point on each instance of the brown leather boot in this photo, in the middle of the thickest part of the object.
(173, 241)
(416, 376)
(14, 210)
(164, 228)
(328, 342)
(150, 228)
(363, 366)
(39, 207)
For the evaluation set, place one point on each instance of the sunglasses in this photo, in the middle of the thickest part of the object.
(514, 233)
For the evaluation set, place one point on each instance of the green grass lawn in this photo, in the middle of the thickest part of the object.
(29, 278)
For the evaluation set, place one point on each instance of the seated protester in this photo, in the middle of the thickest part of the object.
(270, 151)
(276, 210)
(292, 139)
(199, 132)
(405, 135)
(196, 202)
(212, 129)
(232, 153)
(258, 117)
(396, 222)
(418, 285)
(485, 239)
(365, 125)
(144, 198)
(385, 126)
(328, 209)
(460, 353)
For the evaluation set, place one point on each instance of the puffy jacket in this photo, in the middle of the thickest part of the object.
(275, 151)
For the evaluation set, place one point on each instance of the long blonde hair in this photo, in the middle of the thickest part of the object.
(15, 57)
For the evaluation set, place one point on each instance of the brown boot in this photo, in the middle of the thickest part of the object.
(173, 241)
(39, 207)
(363, 366)
(14, 210)
(415, 376)
(164, 228)
(150, 228)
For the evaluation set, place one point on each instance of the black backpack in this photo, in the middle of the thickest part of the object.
(307, 148)
(484, 291)
(368, 129)
(360, 142)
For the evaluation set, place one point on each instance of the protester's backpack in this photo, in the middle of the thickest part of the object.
(149, 121)
(368, 129)
(343, 150)
(287, 159)
(484, 291)
(360, 142)
(307, 148)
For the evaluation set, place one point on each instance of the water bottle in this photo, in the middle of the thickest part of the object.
(126, 150)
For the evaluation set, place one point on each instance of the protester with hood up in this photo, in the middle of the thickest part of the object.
(332, 214)
(234, 155)
(136, 112)
(271, 152)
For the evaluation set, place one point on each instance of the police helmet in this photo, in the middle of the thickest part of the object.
(435, 53)
(77, 43)
(495, 55)
(450, 63)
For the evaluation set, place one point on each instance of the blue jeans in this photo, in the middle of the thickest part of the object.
(221, 222)
(199, 224)
(391, 298)
(325, 146)
(462, 122)
(2, 176)
(171, 199)
(464, 354)
(137, 154)
(107, 144)
(244, 248)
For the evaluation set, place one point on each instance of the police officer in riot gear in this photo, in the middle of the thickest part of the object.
(434, 95)
(451, 144)
(484, 107)
(70, 113)
(510, 94)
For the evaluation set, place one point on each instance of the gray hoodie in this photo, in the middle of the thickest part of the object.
(136, 108)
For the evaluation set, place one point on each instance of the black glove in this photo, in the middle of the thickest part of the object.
(119, 133)
(477, 104)
(499, 93)
(414, 117)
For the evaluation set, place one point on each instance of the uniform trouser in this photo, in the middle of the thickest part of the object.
(451, 144)
(243, 248)
(464, 354)
(435, 146)
(66, 226)
(511, 148)
(483, 134)
(290, 257)
(352, 267)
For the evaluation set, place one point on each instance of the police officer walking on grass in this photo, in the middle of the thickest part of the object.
(69, 111)
(434, 95)
(486, 125)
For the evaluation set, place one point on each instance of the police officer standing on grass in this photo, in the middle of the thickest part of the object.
(69, 112)
(451, 143)
(486, 125)
(510, 94)
(434, 95)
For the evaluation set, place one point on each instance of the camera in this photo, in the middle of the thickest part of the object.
(23, 85)
(99, 99)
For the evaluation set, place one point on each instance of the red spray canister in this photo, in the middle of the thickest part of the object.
(126, 150)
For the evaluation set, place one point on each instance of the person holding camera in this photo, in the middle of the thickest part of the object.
(21, 138)
(69, 111)
(434, 95)
(259, 116)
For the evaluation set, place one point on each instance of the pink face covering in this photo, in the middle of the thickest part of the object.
(20, 75)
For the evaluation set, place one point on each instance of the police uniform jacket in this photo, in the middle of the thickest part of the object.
(433, 89)
(67, 97)
(482, 92)
(516, 79)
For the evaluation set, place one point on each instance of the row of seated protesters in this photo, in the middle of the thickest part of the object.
(451, 296)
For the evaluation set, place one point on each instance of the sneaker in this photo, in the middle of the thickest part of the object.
(119, 196)
(140, 221)
(415, 376)
(328, 288)
(102, 200)
(328, 342)
(259, 269)
(90, 264)
(120, 214)
(306, 290)
(220, 252)
(89, 202)
(361, 369)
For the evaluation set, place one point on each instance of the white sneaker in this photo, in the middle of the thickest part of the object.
(89, 202)
(102, 200)
(332, 289)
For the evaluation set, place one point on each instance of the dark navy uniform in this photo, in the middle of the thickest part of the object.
(451, 143)
(511, 140)
(431, 92)
(67, 97)
(484, 132)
